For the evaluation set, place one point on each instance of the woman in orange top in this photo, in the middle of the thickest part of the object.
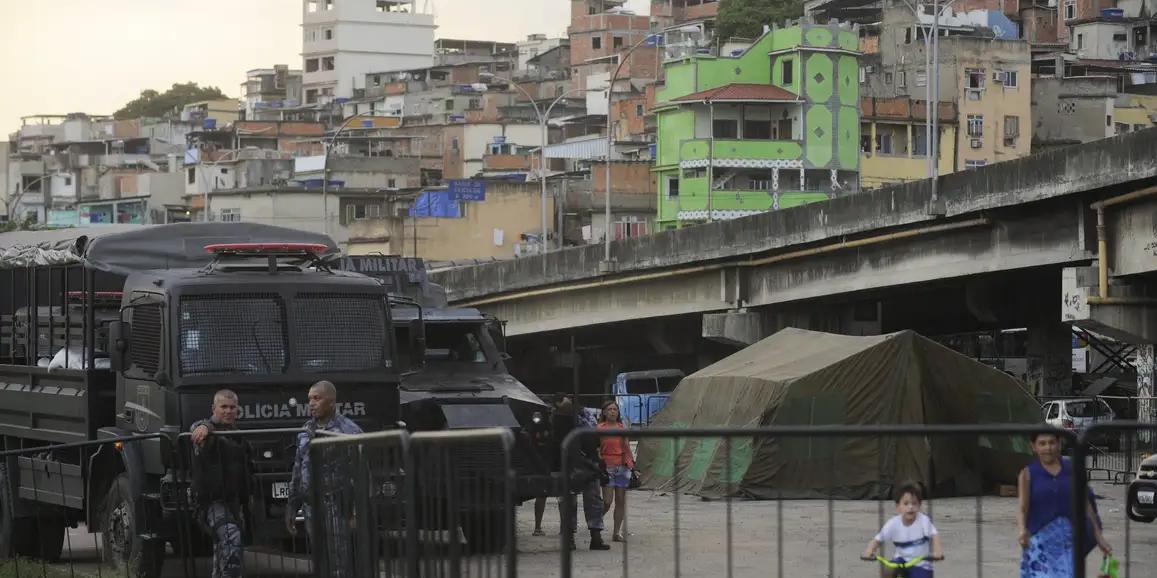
(616, 455)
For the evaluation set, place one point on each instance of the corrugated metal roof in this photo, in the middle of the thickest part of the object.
(741, 92)
(579, 149)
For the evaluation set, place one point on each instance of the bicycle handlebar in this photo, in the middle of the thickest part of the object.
(895, 565)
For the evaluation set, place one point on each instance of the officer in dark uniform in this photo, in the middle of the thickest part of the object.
(585, 472)
(221, 483)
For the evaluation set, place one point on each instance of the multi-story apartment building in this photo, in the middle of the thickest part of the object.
(80, 169)
(534, 45)
(600, 31)
(984, 80)
(267, 91)
(342, 40)
(775, 126)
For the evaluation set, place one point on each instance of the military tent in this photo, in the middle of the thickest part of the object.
(799, 377)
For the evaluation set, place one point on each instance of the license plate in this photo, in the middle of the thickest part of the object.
(281, 490)
(1145, 497)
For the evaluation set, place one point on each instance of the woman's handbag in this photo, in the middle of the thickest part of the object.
(635, 481)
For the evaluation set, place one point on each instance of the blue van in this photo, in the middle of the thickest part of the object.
(641, 394)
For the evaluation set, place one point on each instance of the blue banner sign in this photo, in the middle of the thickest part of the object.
(467, 190)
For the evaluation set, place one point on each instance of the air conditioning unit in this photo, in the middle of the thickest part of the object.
(998, 77)
(976, 143)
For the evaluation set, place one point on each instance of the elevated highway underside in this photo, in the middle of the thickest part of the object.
(1000, 247)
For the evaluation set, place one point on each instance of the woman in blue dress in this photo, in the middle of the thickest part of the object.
(1045, 515)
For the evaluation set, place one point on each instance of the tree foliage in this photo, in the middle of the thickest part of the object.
(159, 104)
(746, 18)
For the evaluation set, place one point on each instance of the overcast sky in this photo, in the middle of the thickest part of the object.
(92, 56)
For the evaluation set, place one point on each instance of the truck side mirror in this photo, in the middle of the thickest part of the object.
(417, 344)
(119, 334)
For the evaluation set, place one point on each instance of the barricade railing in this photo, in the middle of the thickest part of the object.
(425, 504)
(1130, 431)
(42, 497)
(729, 464)
(230, 499)
(358, 503)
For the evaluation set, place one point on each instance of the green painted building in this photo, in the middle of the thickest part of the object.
(775, 126)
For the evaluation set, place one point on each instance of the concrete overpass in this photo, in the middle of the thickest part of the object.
(1010, 245)
(1027, 213)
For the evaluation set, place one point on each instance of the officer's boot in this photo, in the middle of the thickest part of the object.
(597, 542)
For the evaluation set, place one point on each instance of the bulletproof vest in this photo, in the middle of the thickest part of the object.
(220, 470)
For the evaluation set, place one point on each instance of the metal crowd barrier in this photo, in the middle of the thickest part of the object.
(41, 493)
(427, 504)
(824, 535)
(258, 512)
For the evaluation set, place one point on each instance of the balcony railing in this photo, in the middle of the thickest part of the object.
(741, 149)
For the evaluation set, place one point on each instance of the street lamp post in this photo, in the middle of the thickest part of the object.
(932, 95)
(543, 120)
(325, 169)
(607, 266)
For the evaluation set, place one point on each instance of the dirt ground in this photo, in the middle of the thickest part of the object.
(767, 540)
(795, 540)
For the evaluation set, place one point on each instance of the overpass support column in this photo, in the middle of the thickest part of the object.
(1146, 376)
(739, 328)
(1050, 358)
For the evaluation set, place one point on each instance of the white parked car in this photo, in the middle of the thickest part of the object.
(1078, 415)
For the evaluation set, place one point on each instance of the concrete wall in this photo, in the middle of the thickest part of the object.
(1072, 110)
(1110, 163)
(1133, 237)
(162, 188)
(1049, 236)
(1094, 40)
(297, 209)
(487, 229)
(375, 172)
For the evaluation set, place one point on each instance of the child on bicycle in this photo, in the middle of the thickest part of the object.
(911, 533)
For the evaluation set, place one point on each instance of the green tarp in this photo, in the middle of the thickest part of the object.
(799, 377)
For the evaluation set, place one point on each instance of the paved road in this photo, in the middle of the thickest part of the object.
(759, 547)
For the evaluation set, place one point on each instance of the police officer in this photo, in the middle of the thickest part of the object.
(323, 408)
(221, 483)
(585, 472)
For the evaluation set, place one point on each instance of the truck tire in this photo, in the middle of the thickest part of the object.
(123, 547)
(17, 535)
(50, 537)
(485, 531)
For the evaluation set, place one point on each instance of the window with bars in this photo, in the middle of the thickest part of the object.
(976, 125)
(1011, 130)
(241, 333)
(340, 332)
(145, 340)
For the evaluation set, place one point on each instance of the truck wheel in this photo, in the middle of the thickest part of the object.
(17, 535)
(485, 531)
(50, 535)
(123, 546)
